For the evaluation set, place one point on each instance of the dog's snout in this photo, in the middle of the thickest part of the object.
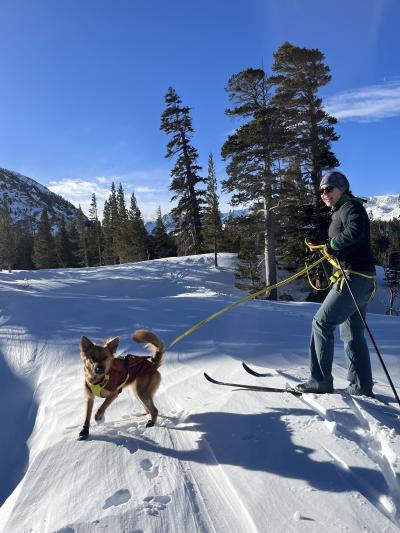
(99, 369)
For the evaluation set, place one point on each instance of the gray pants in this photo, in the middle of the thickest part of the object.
(338, 308)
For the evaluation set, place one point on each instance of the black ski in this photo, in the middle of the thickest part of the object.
(250, 387)
(254, 373)
(337, 391)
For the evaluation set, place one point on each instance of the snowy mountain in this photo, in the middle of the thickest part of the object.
(28, 198)
(220, 459)
(383, 207)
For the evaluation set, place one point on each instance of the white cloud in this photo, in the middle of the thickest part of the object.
(79, 192)
(366, 104)
(147, 190)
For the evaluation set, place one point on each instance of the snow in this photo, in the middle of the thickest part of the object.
(219, 459)
(385, 207)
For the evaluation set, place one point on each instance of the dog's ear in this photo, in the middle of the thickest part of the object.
(112, 344)
(86, 344)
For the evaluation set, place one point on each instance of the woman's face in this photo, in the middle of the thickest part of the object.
(330, 195)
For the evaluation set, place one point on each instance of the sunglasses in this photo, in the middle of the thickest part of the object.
(326, 189)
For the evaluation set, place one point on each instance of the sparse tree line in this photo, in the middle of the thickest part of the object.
(275, 160)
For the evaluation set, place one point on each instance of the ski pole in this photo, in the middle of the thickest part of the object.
(369, 331)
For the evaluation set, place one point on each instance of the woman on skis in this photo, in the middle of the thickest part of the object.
(349, 242)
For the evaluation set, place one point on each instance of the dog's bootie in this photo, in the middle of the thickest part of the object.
(84, 433)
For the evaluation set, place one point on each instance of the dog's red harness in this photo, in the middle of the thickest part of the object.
(124, 371)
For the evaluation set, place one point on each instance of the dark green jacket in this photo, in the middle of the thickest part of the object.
(349, 235)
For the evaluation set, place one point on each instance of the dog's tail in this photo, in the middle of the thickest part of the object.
(153, 343)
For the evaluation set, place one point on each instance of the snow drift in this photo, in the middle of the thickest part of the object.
(218, 459)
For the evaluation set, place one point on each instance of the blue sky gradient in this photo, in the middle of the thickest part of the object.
(83, 85)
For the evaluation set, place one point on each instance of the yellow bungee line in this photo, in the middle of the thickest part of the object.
(249, 297)
(338, 274)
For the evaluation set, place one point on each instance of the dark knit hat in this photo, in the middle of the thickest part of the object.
(337, 179)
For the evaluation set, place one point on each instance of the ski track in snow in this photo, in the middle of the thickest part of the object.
(218, 460)
(356, 425)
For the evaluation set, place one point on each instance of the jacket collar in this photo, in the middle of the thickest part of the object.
(346, 197)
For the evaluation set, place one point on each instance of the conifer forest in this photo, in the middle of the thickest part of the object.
(274, 162)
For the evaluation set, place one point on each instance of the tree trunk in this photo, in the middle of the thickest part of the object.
(269, 249)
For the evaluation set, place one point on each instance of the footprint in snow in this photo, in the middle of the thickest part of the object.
(118, 498)
(154, 504)
(150, 470)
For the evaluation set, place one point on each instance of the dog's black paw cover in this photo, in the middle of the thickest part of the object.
(84, 433)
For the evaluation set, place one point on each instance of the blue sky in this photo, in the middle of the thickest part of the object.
(83, 84)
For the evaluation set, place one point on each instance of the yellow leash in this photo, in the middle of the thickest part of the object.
(249, 297)
(338, 274)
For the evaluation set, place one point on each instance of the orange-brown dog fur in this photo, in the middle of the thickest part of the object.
(102, 356)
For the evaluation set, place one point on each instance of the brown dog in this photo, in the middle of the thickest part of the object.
(106, 375)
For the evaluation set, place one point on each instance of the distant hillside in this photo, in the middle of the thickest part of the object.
(28, 198)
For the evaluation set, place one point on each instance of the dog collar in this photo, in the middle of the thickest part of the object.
(96, 387)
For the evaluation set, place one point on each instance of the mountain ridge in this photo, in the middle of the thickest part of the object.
(28, 198)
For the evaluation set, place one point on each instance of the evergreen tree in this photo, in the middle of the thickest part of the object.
(108, 235)
(83, 254)
(7, 236)
(163, 244)
(176, 121)
(44, 253)
(110, 228)
(63, 246)
(123, 238)
(94, 243)
(300, 73)
(24, 245)
(212, 226)
(248, 271)
(74, 240)
(231, 234)
(139, 239)
(254, 151)
(295, 216)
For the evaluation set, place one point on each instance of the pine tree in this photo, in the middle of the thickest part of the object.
(139, 239)
(254, 151)
(248, 271)
(24, 245)
(108, 235)
(7, 236)
(176, 121)
(212, 226)
(300, 73)
(231, 234)
(83, 238)
(295, 216)
(110, 228)
(94, 232)
(123, 238)
(74, 240)
(63, 246)
(163, 244)
(44, 253)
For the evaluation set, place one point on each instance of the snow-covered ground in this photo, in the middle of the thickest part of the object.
(219, 459)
